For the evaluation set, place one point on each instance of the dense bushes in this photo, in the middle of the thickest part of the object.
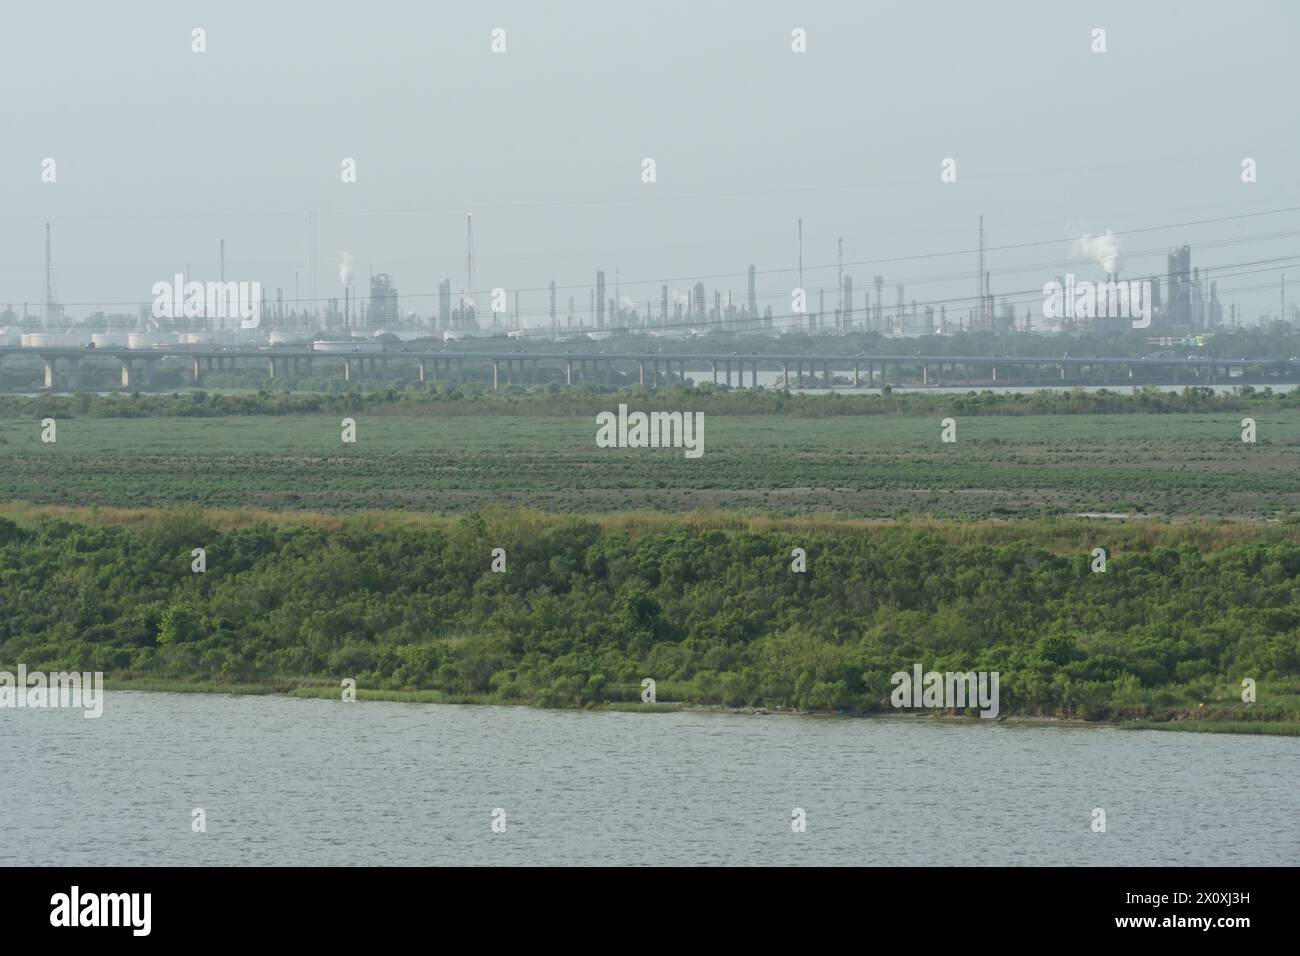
(587, 400)
(583, 612)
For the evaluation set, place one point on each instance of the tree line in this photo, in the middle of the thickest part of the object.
(554, 400)
(585, 610)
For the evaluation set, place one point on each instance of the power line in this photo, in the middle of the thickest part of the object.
(921, 279)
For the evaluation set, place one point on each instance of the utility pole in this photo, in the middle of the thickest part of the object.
(800, 224)
(49, 281)
(221, 274)
(313, 261)
(879, 282)
(802, 291)
(469, 257)
(841, 260)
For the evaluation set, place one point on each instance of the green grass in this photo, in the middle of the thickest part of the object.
(1181, 465)
(1217, 727)
(317, 690)
(1272, 722)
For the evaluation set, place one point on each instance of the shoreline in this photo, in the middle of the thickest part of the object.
(314, 691)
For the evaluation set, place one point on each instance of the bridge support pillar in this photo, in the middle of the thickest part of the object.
(496, 376)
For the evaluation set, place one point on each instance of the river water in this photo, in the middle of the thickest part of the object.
(771, 379)
(288, 781)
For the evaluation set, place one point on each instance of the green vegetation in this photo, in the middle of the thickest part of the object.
(555, 401)
(1167, 455)
(706, 605)
(1204, 726)
(371, 560)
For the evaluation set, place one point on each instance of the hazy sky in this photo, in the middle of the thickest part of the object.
(161, 151)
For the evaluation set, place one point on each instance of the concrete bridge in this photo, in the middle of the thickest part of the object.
(62, 367)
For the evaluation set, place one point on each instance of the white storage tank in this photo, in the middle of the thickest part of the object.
(108, 340)
(356, 345)
(152, 340)
(51, 340)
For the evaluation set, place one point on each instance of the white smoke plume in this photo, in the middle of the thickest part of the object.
(345, 268)
(1103, 249)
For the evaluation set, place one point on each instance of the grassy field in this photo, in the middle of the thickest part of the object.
(1170, 466)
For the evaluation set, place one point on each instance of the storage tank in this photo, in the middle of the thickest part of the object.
(108, 340)
(357, 345)
(51, 340)
(152, 340)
